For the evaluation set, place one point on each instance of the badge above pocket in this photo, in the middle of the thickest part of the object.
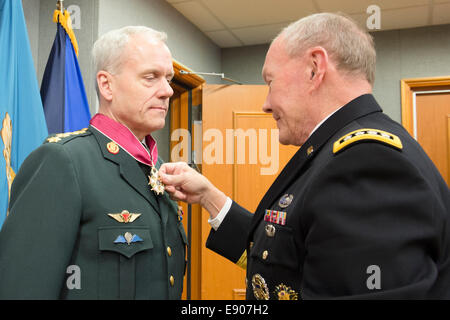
(123, 240)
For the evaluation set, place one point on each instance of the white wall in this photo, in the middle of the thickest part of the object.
(187, 43)
(408, 53)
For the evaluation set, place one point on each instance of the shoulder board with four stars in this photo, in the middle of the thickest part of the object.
(64, 137)
(362, 135)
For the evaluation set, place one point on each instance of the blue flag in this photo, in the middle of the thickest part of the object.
(63, 95)
(22, 122)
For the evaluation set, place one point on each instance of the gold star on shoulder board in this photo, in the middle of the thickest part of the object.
(155, 182)
(54, 139)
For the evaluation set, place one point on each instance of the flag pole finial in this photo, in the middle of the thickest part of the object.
(60, 5)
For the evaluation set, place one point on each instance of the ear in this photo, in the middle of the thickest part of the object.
(318, 65)
(104, 85)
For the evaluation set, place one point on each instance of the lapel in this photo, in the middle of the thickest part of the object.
(128, 168)
(359, 107)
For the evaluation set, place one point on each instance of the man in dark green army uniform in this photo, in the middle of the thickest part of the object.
(89, 218)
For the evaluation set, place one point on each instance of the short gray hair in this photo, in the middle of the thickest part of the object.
(108, 49)
(349, 45)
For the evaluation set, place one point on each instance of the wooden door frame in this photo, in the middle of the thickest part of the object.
(448, 133)
(179, 119)
(408, 88)
(189, 80)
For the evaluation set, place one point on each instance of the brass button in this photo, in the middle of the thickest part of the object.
(270, 230)
(251, 244)
(265, 254)
(169, 251)
(310, 150)
(172, 280)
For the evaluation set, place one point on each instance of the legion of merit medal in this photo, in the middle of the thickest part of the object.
(155, 182)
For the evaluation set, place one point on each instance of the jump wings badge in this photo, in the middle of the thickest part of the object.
(128, 238)
(124, 216)
(155, 182)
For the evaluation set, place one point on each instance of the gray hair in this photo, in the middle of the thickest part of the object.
(349, 45)
(108, 49)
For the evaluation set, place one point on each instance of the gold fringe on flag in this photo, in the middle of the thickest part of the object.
(66, 23)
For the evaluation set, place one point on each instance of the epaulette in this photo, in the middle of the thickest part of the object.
(362, 135)
(64, 136)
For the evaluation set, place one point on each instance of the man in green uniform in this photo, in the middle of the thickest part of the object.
(89, 218)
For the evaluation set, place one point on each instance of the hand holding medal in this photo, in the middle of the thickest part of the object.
(185, 184)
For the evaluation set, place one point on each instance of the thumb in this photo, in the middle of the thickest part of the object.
(167, 168)
(173, 168)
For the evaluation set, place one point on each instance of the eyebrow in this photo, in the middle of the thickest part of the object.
(170, 74)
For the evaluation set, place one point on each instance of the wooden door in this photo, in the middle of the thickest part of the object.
(426, 115)
(185, 103)
(433, 131)
(242, 157)
(182, 105)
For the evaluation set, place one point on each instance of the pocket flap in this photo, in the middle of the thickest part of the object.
(124, 240)
(278, 249)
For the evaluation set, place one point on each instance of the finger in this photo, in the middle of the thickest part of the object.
(175, 193)
(173, 180)
(178, 196)
(174, 167)
(168, 168)
(170, 189)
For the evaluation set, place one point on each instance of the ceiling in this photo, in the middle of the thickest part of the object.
(234, 23)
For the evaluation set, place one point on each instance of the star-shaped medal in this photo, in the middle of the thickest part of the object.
(155, 182)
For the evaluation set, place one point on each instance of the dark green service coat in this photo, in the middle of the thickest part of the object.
(58, 227)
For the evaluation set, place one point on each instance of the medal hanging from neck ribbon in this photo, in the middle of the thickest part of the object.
(123, 136)
(155, 182)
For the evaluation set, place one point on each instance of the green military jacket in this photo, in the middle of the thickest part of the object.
(65, 237)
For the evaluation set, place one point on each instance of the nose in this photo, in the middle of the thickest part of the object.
(165, 91)
(267, 108)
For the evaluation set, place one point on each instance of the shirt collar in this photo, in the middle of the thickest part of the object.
(323, 120)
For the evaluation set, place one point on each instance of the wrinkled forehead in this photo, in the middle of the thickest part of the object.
(274, 57)
(149, 51)
(144, 44)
